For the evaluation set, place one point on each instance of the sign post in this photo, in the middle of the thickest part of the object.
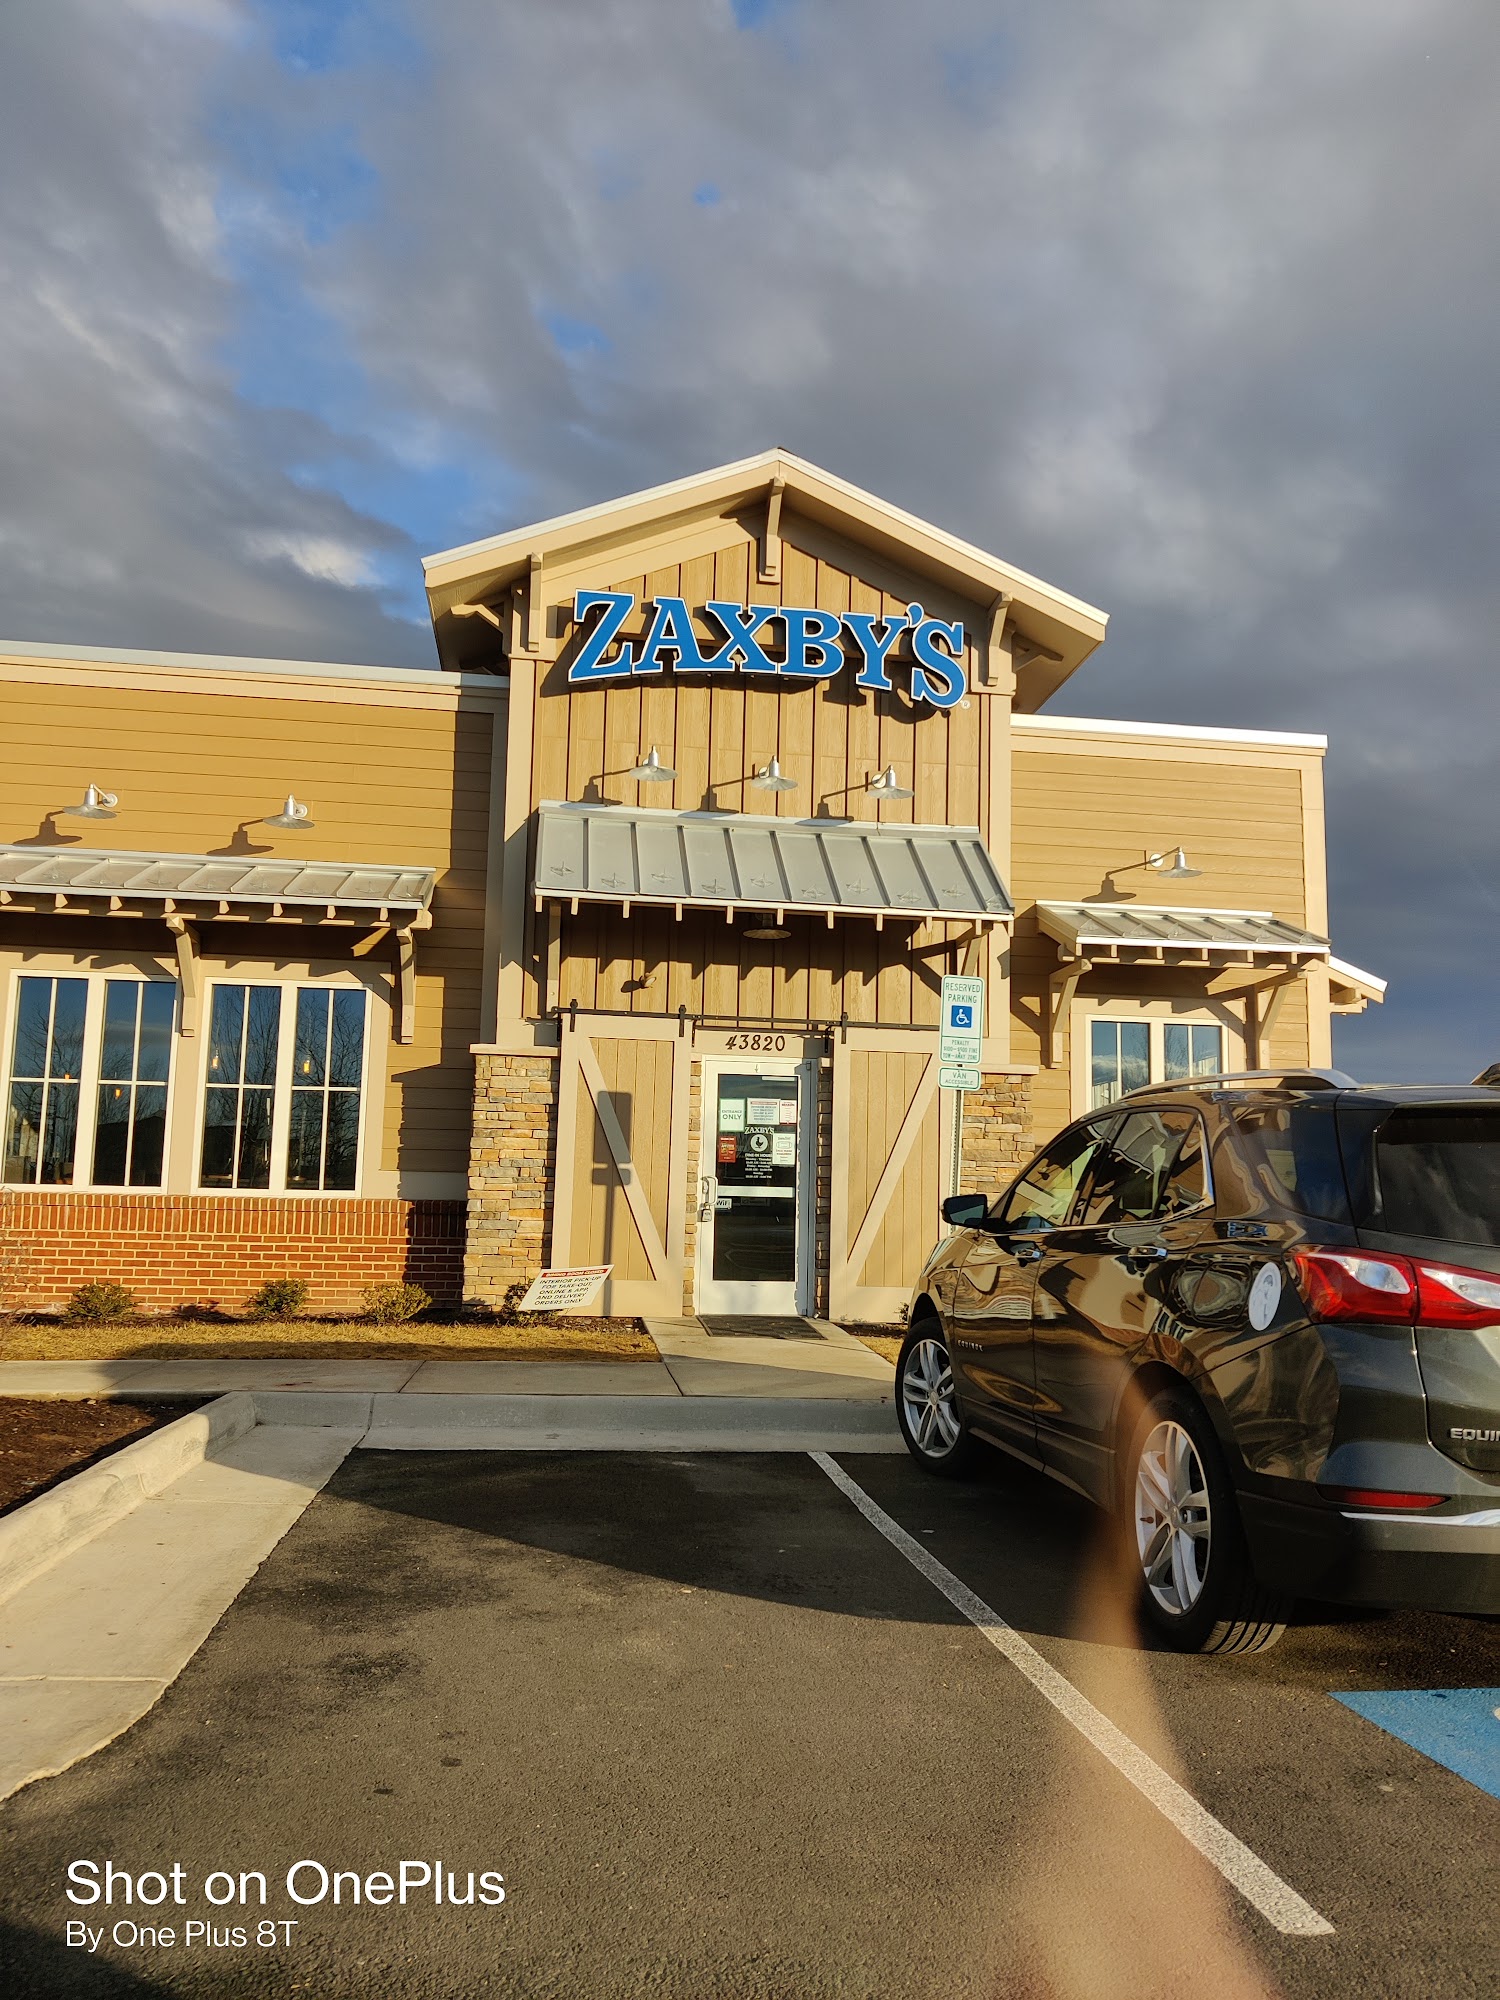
(960, 1047)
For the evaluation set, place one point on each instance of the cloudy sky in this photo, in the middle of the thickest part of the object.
(1189, 306)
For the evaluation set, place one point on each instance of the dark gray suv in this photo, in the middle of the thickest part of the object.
(1258, 1318)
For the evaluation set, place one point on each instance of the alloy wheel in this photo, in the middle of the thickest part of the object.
(1173, 1523)
(927, 1399)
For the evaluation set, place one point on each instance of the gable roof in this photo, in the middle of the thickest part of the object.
(1061, 630)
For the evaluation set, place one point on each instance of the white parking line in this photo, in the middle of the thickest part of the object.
(1279, 1904)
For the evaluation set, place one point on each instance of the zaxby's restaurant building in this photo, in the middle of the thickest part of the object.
(620, 939)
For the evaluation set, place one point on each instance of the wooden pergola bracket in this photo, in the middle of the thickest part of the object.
(189, 973)
(1060, 990)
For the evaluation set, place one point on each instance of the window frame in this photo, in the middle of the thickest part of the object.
(1085, 1186)
(1155, 1016)
(95, 977)
(371, 1113)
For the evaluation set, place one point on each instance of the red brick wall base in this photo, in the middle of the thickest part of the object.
(208, 1250)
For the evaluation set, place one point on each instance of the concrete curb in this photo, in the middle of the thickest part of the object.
(54, 1524)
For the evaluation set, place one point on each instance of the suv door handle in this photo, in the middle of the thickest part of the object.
(1144, 1255)
(1027, 1253)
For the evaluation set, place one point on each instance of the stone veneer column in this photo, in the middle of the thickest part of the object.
(511, 1161)
(997, 1133)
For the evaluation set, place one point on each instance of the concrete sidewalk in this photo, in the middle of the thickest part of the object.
(836, 1367)
(90, 1644)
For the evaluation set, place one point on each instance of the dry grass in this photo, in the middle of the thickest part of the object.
(324, 1340)
(886, 1345)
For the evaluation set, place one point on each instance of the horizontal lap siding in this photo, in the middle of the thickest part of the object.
(197, 772)
(215, 1250)
(1083, 822)
(831, 737)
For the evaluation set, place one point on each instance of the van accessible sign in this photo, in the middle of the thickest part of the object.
(809, 645)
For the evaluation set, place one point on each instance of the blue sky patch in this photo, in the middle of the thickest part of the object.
(707, 194)
(751, 14)
(574, 337)
(1456, 1727)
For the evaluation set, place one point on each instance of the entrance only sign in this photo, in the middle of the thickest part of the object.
(962, 1033)
(811, 645)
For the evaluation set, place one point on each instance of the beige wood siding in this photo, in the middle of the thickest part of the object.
(1086, 813)
(197, 773)
(831, 736)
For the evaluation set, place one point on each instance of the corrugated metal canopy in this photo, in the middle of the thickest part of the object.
(206, 885)
(1179, 932)
(632, 854)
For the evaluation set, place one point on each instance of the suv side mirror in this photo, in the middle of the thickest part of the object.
(965, 1211)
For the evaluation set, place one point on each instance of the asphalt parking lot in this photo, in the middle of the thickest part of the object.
(722, 1738)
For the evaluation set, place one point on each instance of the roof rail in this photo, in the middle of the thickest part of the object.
(1286, 1079)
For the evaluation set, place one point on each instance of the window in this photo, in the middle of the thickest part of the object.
(46, 1069)
(1043, 1197)
(244, 1030)
(1438, 1173)
(323, 1147)
(1191, 1048)
(281, 1110)
(1288, 1154)
(1133, 1177)
(130, 1124)
(1129, 1055)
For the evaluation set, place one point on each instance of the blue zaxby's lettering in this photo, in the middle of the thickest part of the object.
(809, 643)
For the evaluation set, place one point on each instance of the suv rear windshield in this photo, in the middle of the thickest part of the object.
(1437, 1173)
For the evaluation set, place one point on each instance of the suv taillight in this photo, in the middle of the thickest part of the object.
(1449, 1296)
(1357, 1284)
(1376, 1285)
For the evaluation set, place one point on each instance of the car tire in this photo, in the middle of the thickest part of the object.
(927, 1408)
(1181, 1527)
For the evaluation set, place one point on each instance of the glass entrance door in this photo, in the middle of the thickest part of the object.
(753, 1184)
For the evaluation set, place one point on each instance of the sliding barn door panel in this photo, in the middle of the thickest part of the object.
(889, 1126)
(621, 1183)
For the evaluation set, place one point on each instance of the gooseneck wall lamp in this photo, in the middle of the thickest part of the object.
(1172, 865)
(96, 804)
(771, 778)
(887, 786)
(651, 770)
(292, 817)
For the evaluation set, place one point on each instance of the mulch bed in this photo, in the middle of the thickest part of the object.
(42, 1442)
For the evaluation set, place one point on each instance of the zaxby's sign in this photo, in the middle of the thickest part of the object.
(808, 647)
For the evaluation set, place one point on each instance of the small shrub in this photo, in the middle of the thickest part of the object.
(391, 1305)
(508, 1312)
(278, 1298)
(100, 1302)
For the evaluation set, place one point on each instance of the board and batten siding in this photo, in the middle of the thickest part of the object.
(1088, 808)
(394, 773)
(832, 737)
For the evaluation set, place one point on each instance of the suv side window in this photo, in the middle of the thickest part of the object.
(1043, 1197)
(1136, 1176)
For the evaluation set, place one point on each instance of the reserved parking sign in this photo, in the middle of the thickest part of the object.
(963, 1020)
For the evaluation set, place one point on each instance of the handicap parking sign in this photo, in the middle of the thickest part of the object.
(962, 1034)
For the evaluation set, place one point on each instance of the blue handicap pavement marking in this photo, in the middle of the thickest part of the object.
(1456, 1727)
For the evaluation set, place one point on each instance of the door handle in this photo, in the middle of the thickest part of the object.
(1144, 1256)
(1028, 1253)
(705, 1196)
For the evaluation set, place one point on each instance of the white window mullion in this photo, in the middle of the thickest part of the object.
(281, 1105)
(88, 1082)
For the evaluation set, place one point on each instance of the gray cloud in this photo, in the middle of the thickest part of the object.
(1190, 309)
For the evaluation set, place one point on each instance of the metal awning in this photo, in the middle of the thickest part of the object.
(77, 881)
(728, 861)
(1153, 933)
